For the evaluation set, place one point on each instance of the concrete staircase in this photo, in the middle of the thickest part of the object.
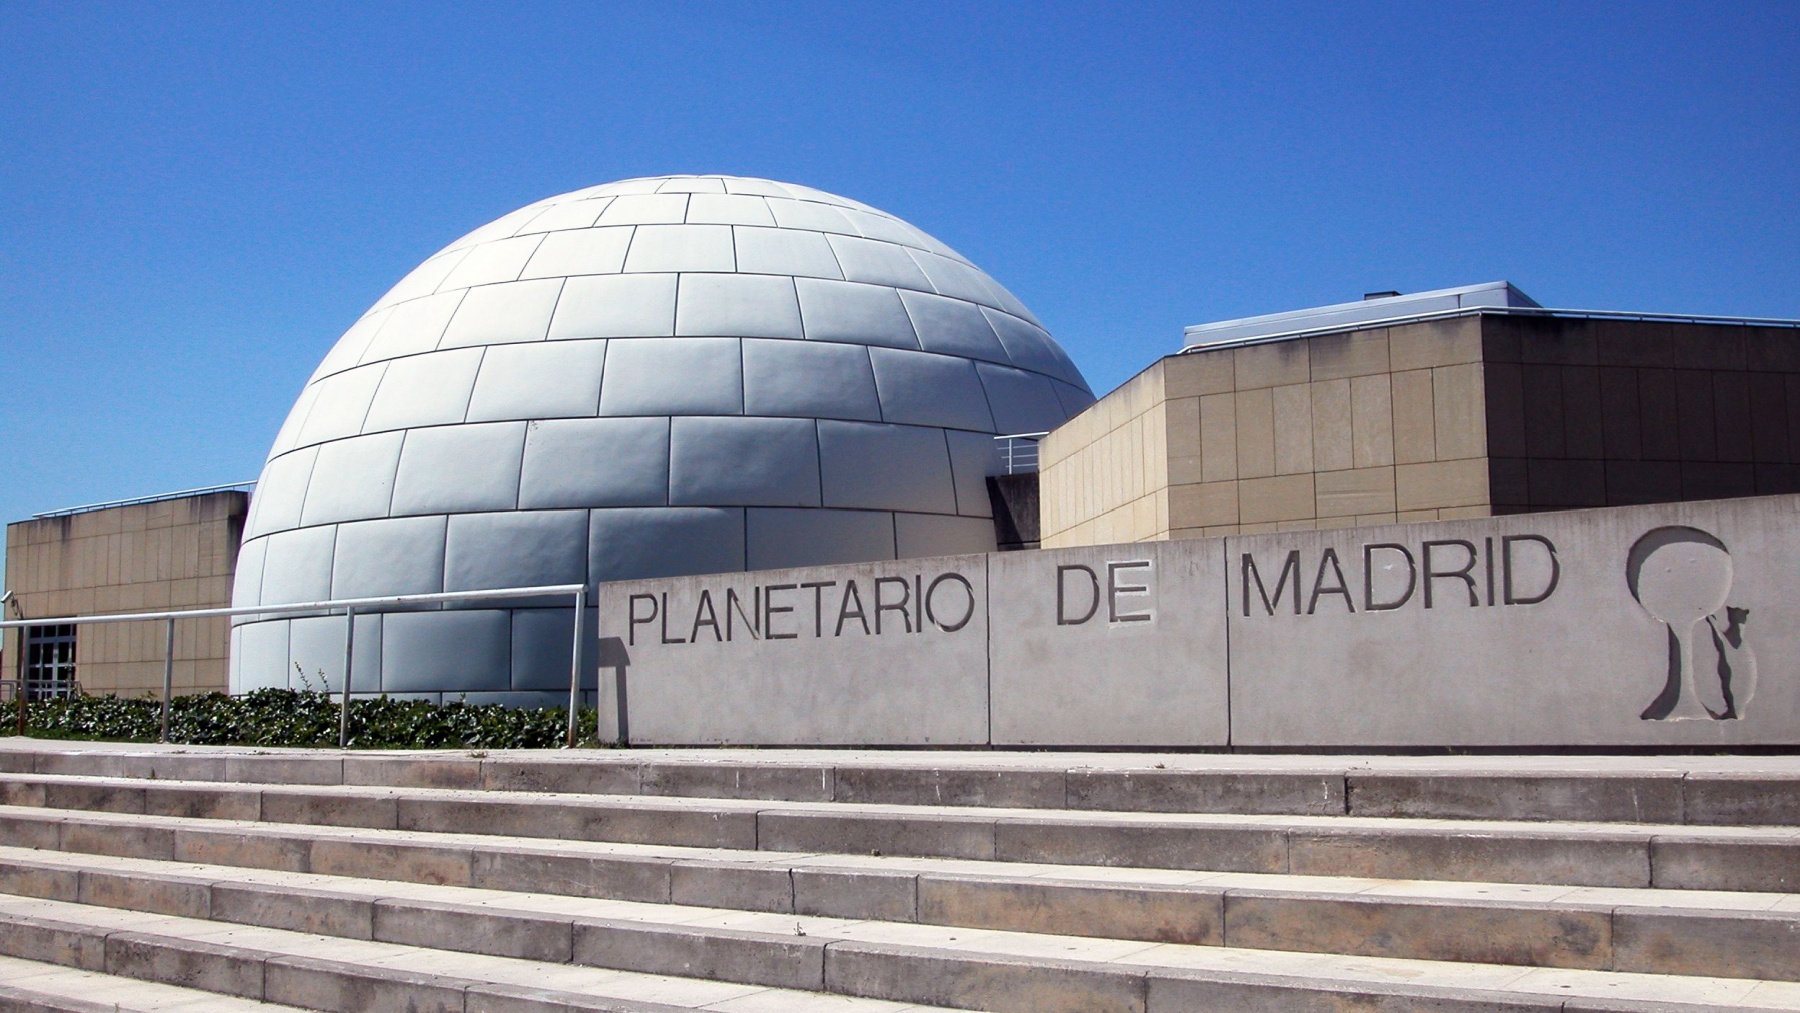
(147, 878)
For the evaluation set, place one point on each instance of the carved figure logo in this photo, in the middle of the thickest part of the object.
(1682, 577)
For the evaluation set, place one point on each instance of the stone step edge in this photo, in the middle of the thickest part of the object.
(1201, 913)
(1625, 938)
(1719, 858)
(120, 794)
(30, 986)
(996, 980)
(157, 951)
(1748, 798)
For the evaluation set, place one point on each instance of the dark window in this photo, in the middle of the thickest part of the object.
(49, 661)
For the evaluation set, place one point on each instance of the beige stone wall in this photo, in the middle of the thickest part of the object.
(1371, 426)
(1104, 475)
(172, 554)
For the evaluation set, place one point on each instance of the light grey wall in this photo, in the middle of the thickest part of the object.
(1201, 657)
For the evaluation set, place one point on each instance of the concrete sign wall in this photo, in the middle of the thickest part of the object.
(1108, 646)
(1669, 625)
(871, 653)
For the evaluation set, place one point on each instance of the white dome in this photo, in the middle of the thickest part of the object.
(656, 377)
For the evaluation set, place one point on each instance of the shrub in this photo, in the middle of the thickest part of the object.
(285, 717)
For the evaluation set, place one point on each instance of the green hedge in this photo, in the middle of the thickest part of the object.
(284, 717)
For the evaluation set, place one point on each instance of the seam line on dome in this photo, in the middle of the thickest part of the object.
(382, 365)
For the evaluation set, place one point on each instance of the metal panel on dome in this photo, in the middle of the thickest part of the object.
(805, 215)
(692, 185)
(413, 327)
(925, 389)
(878, 263)
(352, 479)
(847, 311)
(519, 549)
(1022, 402)
(676, 376)
(737, 305)
(954, 278)
(595, 462)
(809, 379)
(776, 538)
(973, 457)
(246, 582)
(938, 535)
(423, 280)
(349, 348)
(1074, 400)
(458, 469)
(288, 437)
(583, 251)
(880, 227)
(645, 209)
(315, 656)
(953, 327)
(785, 251)
(743, 461)
(341, 405)
(658, 248)
(616, 306)
(259, 657)
(541, 642)
(758, 187)
(500, 260)
(402, 555)
(497, 314)
(1026, 344)
(297, 566)
(424, 390)
(459, 651)
(552, 379)
(281, 492)
(728, 209)
(577, 214)
(669, 542)
(885, 467)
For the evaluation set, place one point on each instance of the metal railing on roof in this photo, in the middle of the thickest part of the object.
(1019, 451)
(140, 500)
(350, 607)
(1466, 311)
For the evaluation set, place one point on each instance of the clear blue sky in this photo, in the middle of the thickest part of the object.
(195, 200)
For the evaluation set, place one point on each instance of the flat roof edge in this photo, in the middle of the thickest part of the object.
(1340, 326)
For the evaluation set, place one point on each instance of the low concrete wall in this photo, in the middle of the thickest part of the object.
(1673, 625)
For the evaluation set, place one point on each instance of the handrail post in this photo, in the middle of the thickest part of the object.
(575, 664)
(168, 677)
(349, 660)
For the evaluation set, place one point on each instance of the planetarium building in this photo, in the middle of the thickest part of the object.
(656, 377)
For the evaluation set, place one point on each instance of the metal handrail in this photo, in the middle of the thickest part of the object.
(138, 500)
(349, 607)
(1464, 311)
(1020, 451)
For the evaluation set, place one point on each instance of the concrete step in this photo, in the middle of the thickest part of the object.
(1765, 859)
(1699, 790)
(323, 972)
(1721, 934)
(731, 957)
(28, 986)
